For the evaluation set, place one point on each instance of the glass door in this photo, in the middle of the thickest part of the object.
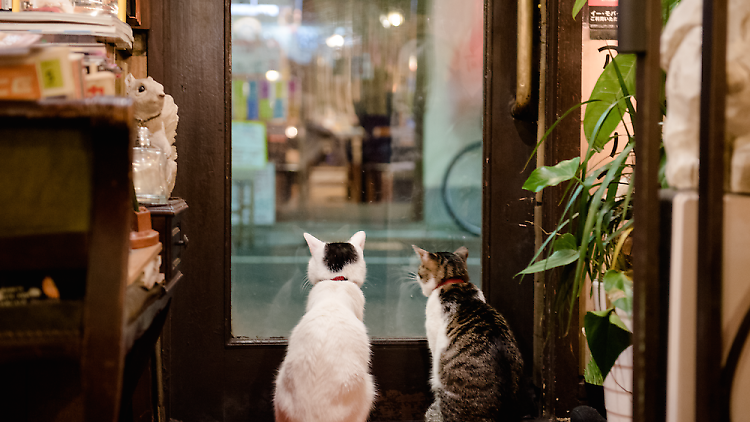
(329, 117)
(351, 115)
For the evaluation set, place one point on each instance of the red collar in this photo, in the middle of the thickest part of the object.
(339, 278)
(449, 281)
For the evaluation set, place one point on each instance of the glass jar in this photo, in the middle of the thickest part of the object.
(149, 170)
(87, 7)
(97, 7)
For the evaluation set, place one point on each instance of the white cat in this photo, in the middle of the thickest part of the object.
(325, 376)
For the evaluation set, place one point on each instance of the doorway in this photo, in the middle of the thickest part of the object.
(383, 173)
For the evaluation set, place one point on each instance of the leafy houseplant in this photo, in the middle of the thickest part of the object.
(591, 237)
(597, 215)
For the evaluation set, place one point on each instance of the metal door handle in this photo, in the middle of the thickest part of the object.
(523, 57)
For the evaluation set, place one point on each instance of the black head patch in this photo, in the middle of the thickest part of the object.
(337, 255)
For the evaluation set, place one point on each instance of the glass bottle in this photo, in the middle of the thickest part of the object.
(149, 170)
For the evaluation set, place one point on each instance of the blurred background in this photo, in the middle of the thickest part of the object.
(352, 115)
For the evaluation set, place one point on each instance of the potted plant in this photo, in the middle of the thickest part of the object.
(592, 237)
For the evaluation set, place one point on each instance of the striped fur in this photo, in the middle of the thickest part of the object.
(477, 367)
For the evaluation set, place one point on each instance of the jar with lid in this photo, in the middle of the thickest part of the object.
(149, 170)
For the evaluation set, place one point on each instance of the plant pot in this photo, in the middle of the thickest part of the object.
(142, 235)
(618, 386)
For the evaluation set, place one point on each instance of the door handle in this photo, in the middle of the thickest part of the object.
(523, 57)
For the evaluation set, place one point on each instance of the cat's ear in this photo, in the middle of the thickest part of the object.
(358, 239)
(129, 81)
(314, 244)
(462, 253)
(423, 254)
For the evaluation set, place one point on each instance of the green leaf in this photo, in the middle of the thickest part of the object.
(619, 288)
(551, 128)
(587, 229)
(557, 259)
(591, 374)
(666, 9)
(609, 91)
(607, 338)
(566, 241)
(552, 176)
(577, 7)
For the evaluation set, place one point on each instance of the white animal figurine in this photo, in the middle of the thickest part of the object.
(681, 47)
(325, 376)
(157, 111)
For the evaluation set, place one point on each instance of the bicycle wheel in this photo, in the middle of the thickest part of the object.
(462, 188)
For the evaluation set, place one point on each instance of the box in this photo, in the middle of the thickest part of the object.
(46, 72)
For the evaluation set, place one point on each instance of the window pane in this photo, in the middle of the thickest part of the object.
(352, 115)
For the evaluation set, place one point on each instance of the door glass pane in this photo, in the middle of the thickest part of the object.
(352, 115)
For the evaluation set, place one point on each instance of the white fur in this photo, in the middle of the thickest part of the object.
(436, 326)
(325, 374)
(317, 270)
(436, 323)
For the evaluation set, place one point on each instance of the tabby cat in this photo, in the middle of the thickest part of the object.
(476, 365)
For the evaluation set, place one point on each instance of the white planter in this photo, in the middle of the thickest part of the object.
(618, 386)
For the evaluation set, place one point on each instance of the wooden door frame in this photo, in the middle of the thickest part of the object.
(558, 353)
(210, 377)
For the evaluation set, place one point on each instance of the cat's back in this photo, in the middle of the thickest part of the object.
(470, 316)
(482, 366)
(325, 374)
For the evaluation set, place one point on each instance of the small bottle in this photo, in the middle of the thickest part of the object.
(149, 170)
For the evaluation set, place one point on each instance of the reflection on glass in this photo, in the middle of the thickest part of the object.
(352, 115)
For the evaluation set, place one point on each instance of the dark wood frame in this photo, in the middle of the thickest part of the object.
(650, 298)
(95, 338)
(709, 403)
(138, 14)
(210, 375)
(651, 240)
(558, 352)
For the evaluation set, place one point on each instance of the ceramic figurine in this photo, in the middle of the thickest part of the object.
(681, 44)
(154, 109)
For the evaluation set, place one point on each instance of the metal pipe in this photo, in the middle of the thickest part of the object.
(523, 58)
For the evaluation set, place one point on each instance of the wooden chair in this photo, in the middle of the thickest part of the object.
(66, 199)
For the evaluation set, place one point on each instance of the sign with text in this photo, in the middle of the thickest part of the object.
(602, 17)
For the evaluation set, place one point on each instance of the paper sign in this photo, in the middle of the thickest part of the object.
(248, 147)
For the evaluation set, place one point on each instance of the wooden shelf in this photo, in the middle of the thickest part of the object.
(106, 28)
(50, 329)
(143, 305)
(54, 328)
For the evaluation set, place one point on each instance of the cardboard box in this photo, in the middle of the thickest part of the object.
(45, 72)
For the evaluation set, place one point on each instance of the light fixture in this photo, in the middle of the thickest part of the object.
(384, 21)
(335, 41)
(243, 9)
(395, 18)
(291, 132)
(272, 75)
(413, 63)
